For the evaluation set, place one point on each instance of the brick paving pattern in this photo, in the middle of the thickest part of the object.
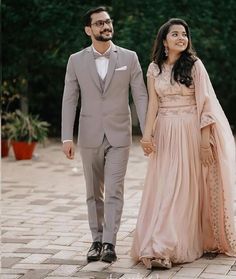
(45, 232)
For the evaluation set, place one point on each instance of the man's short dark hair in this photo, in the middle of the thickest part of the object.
(87, 16)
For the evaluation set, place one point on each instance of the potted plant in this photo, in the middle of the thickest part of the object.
(8, 98)
(24, 131)
(5, 143)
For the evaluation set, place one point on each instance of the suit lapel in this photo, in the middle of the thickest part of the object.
(111, 66)
(92, 67)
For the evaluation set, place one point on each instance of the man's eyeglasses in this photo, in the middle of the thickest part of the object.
(100, 23)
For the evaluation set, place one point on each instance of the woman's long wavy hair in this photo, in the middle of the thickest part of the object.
(181, 71)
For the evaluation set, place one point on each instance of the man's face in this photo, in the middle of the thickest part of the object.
(101, 28)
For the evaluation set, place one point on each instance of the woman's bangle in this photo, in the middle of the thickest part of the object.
(145, 141)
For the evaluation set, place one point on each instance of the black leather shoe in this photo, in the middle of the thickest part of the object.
(108, 253)
(94, 253)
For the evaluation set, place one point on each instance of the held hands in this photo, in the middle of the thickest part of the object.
(148, 146)
(69, 149)
(206, 155)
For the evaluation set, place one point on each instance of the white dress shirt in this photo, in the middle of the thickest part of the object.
(101, 63)
(102, 67)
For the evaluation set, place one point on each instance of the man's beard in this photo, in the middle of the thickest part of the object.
(100, 37)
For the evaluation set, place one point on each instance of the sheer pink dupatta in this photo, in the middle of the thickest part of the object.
(219, 179)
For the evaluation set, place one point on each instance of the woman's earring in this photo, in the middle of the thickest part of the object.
(166, 51)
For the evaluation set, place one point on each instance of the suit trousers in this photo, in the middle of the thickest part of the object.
(104, 170)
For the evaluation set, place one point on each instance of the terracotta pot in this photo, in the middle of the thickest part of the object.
(23, 150)
(5, 145)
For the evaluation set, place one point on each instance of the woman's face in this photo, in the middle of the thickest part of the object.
(176, 39)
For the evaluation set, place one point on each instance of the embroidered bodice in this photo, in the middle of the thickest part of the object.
(170, 93)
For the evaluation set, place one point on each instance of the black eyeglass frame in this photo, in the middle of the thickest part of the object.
(101, 23)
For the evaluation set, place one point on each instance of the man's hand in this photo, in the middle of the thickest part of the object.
(69, 149)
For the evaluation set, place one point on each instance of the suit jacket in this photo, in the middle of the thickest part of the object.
(103, 111)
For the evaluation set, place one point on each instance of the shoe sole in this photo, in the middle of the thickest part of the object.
(104, 259)
(93, 259)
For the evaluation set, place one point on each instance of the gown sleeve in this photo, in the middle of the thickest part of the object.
(152, 72)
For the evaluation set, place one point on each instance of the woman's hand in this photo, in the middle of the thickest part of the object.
(147, 146)
(206, 155)
(206, 151)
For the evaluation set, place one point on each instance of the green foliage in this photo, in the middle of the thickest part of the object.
(10, 93)
(24, 127)
(6, 118)
(39, 36)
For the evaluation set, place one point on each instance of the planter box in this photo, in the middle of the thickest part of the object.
(5, 145)
(23, 150)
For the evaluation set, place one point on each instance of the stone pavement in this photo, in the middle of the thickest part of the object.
(45, 231)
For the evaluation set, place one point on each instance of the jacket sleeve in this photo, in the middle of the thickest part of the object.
(138, 90)
(69, 101)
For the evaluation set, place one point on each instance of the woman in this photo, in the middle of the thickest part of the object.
(187, 206)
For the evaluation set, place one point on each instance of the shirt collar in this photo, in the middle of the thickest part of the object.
(94, 50)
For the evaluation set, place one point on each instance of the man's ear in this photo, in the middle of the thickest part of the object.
(87, 30)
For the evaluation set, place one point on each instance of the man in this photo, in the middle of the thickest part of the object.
(101, 75)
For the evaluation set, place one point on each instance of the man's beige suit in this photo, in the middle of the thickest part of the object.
(104, 129)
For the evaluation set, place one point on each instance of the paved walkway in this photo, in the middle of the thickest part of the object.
(45, 231)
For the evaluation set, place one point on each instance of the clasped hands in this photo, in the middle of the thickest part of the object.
(148, 146)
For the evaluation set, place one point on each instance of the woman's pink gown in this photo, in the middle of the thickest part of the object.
(186, 209)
